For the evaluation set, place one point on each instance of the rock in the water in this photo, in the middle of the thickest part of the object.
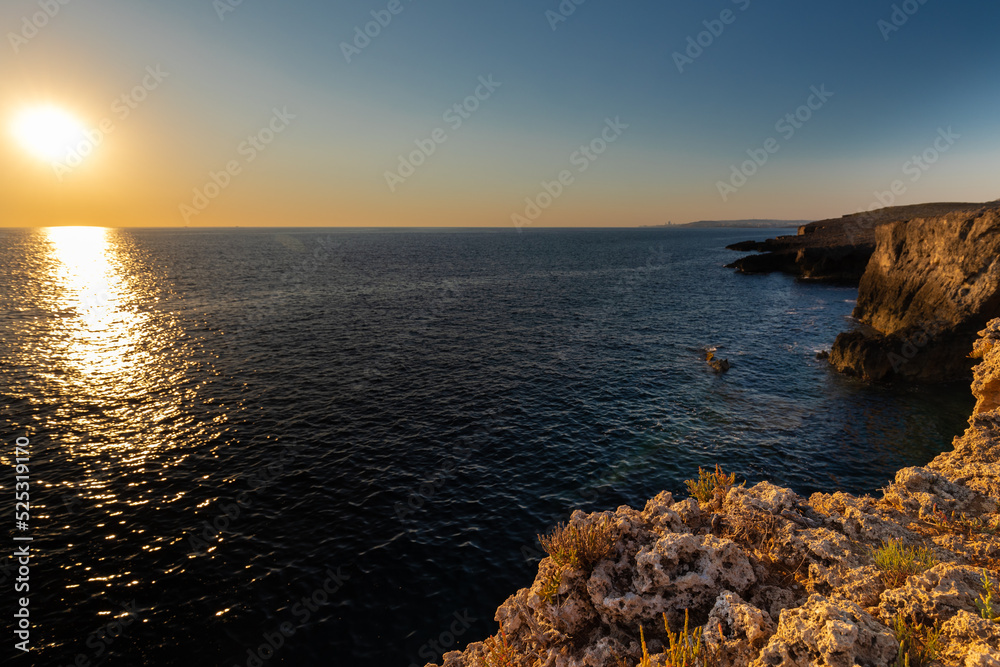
(720, 365)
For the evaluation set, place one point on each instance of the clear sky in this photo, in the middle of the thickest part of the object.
(331, 112)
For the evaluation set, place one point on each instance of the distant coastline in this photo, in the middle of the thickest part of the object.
(736, 224)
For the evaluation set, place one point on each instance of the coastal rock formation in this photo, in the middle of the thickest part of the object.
(838, 249)
(931, 284)
(765, 577)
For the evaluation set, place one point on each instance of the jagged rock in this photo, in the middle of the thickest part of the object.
(860, 519)
(971, 641)
(923, 492)
(736, 631)
(986, 378)
(931, 284)
(676, 573)
(934, 595)
(571, 611)
(662, 517)
(975, 460)
(821, 633)
(774, 599)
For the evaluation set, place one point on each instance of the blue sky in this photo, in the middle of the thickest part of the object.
(353, 120)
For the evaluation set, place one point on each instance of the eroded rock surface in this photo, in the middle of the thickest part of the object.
(773, 579)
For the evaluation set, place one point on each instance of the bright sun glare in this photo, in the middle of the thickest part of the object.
(48, 132)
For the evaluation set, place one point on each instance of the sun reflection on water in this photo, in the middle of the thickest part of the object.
(112, 361)
(99, 333)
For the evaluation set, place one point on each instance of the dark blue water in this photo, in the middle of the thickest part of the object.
(224, 423)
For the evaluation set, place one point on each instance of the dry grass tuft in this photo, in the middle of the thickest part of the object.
(499, 652)
(580, 547)
(711, 487)
(896, 562)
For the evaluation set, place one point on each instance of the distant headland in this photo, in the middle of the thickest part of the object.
(928, 277)
(735, 224)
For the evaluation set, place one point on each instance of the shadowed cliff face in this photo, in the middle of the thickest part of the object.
(836, 250)
(931, 284)
(770, 578)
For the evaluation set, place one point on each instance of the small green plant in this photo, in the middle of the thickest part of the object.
(550, 588)
(896, 562)
(711, 485)
(918, 644)
(499, 652)
(987, 606)
(579, 547)
(684, 649)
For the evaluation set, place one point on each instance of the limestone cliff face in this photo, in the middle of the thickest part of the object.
(835, 250)
(929, 286)
(775, 579)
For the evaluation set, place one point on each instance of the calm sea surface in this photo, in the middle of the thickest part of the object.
(354, 436)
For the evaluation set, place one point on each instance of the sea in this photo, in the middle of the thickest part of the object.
(290, 446)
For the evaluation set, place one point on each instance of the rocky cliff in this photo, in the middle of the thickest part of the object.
(931, 284)
(838, 249)
(766, 577)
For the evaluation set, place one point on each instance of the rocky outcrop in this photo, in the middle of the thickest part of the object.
(931, 284)
(837, 250)
(770, 578)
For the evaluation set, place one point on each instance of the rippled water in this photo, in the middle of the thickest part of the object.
(391, 415)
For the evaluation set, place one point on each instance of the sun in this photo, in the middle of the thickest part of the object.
(48, 132)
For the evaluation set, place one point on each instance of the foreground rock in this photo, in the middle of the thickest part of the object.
(931, 284)
(835, 250)
(774, 579)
